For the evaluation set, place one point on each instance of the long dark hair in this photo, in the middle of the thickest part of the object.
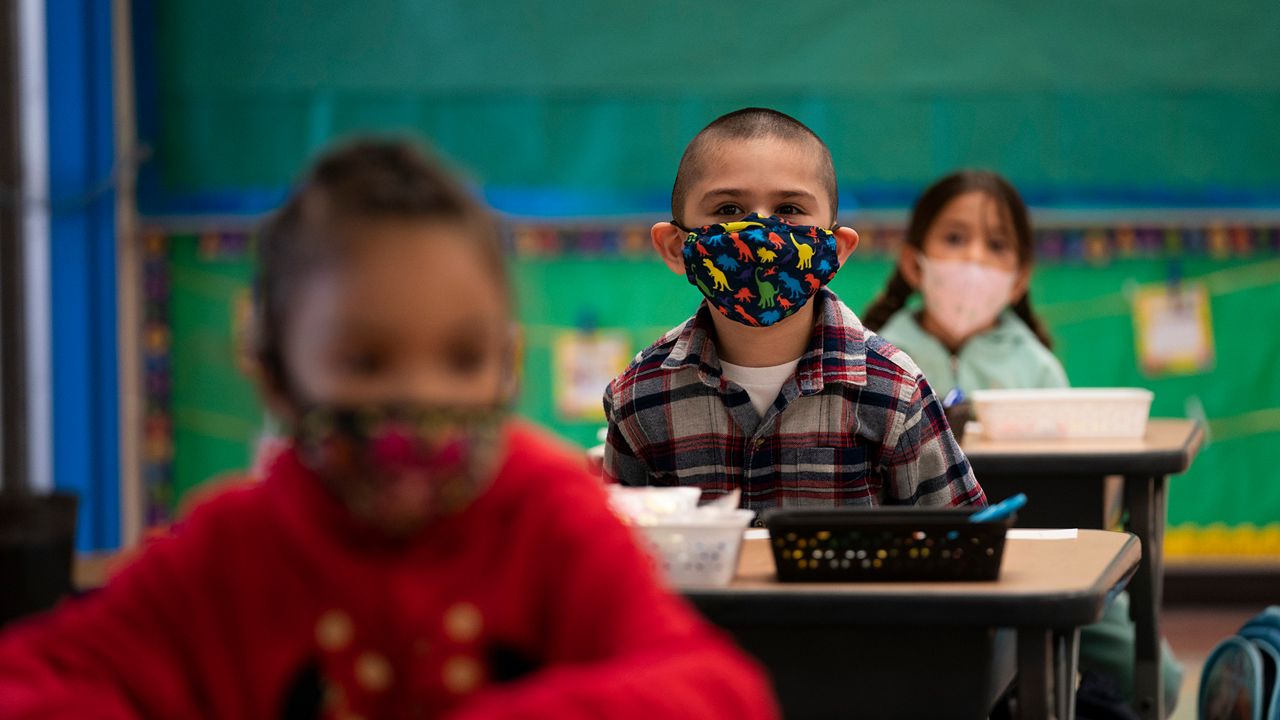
(925, 211)
(363, 181)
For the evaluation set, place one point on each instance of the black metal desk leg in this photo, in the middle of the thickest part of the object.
(1066, 665)
(1035, 674)
(1144, 497)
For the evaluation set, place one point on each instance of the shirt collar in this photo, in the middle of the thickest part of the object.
(837, 350)
(693, 347)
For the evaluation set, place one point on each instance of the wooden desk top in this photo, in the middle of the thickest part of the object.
(1043, 583)
(91, 570)
(1168, 447)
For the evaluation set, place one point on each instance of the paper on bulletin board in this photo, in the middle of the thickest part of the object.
(242, 329)
(585, 363)
(1172, 329)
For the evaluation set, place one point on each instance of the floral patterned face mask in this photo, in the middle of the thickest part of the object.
(757, 270)
(400, 466)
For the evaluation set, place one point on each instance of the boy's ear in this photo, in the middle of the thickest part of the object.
(668, 240)
(846, 242)
(909, 266)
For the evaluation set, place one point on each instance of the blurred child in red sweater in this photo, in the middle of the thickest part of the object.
(412, 552)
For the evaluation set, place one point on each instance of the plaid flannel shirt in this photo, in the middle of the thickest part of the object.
(856, 424)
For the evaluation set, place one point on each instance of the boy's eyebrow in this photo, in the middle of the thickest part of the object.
(735, 192)
(796, 193)
(727, 192)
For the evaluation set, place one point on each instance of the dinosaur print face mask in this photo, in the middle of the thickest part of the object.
(757, 270)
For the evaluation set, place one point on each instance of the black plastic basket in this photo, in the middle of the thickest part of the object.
(840, 545)
(37, 537)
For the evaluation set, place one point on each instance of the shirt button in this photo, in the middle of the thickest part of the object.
(373, 672)
(463, 622)
(757, 443)
(334, 631)
(461, 675)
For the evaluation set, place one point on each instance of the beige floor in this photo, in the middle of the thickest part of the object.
(1193, 631)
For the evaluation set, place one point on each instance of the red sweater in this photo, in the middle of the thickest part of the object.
(269, 601)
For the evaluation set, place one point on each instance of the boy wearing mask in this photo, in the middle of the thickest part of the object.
(774, 387)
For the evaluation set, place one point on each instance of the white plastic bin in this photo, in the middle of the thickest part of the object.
(1063, 413)
(698, 553)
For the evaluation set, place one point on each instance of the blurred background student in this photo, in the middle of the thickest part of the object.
(968, 253)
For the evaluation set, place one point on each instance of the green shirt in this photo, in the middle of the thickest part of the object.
(1007, 356)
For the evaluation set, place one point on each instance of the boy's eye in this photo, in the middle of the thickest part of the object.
(730, 210)
(954, 238)
(998, 245)
(788, 210)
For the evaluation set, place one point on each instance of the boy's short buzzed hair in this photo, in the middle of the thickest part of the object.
(746, 124)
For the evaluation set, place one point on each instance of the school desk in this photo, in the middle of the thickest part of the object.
(1067, 481)
(91, 570)
(935, 650)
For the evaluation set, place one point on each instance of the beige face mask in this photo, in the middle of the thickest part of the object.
(963, 296)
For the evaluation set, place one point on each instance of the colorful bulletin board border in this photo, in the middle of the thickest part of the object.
(158, 419)
(1083, 243)
(158, 423)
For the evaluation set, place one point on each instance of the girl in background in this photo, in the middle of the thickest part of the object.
(968, 253)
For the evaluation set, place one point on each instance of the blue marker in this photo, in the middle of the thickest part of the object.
(1000, 510)
(954, 397)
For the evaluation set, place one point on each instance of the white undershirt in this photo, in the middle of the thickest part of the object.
(761, 383)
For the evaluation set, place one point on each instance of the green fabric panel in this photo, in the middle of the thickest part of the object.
(1181, 95)
(717, 45)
